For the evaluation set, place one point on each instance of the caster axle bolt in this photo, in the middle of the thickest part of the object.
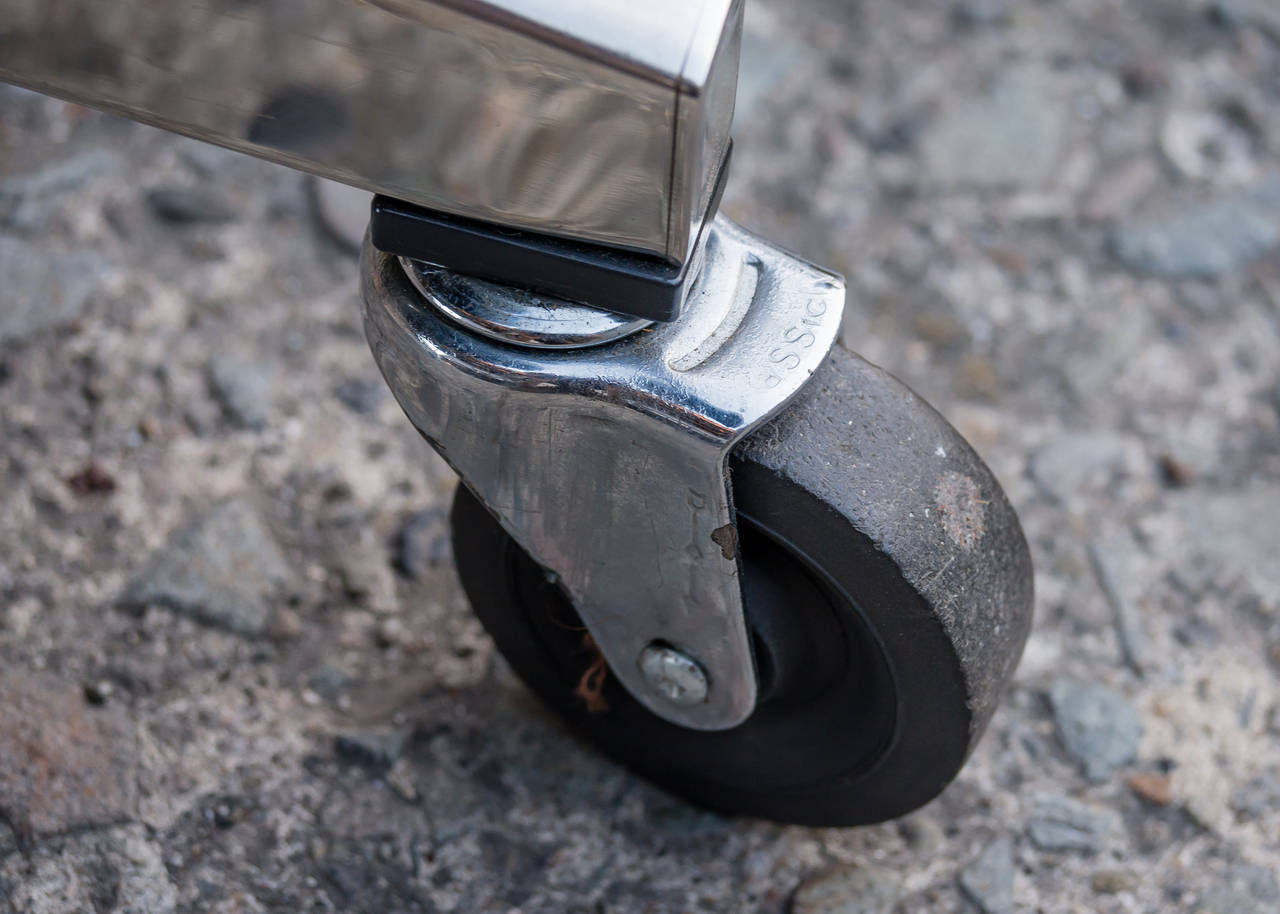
(674, 674)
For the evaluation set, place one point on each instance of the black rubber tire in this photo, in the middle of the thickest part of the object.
(888, 590)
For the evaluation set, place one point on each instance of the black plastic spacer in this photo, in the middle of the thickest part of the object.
(611, 279)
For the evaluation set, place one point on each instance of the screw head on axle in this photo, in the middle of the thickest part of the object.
(673, 674)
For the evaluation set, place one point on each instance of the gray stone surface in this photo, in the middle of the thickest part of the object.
(116, 871)
(1206, 240)
(1114, 561)
(25, 194)
(850, 888)
(998, 294)
(189, 205)
(1078, 464)
(1098, 726)
(376, 750)
(243, 387)
(988, 880)
(1236, 526)
(362, 395)
(42, 295)
(423, 543)
(1259, 797)
(922, 833)
(983, 13)
(1061, 824)
(1243, 889)
(1010, 136)
(223, 569)
(765, 60)
(1258, 14)
(365, 570)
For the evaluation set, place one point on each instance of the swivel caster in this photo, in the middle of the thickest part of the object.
(743, 562)
(872, 569)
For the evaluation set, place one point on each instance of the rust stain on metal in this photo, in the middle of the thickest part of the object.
(726, 538)
(962, 510)
(590, 686)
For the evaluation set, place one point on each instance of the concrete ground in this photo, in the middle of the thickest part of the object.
(236, 669)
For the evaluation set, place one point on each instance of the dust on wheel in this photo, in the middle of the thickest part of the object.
(875, 681)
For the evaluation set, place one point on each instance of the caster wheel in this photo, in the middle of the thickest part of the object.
(887, 587)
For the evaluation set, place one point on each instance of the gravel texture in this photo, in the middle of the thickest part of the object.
(1060, 824)
(224, 570)
(1097, 726)
(988, 881)
(236, 670)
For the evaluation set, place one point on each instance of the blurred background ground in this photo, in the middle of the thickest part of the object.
(236, 670)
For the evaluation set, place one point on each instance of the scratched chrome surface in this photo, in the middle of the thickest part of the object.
(609, 463)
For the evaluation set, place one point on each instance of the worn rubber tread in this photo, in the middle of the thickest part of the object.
(862, 442)
(921, 556)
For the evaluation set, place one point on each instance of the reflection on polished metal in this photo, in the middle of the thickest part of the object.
(594, 120)
(515, 316)
(609, 464)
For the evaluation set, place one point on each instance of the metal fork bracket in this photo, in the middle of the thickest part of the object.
(608, 462)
